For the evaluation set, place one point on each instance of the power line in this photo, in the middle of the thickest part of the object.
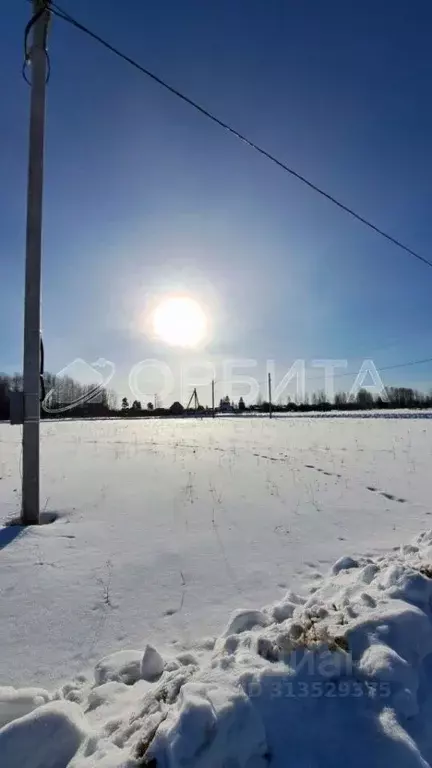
(379, 369)
(355, 373)
(56, 10)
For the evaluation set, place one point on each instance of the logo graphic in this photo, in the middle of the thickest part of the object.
(78, 383)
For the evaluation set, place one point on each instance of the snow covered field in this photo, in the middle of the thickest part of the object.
(165, 528)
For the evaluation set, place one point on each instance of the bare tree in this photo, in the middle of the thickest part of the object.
(364, 398)
(340, 399)
(112, 399)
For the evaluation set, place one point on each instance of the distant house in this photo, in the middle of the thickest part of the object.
(225, 405)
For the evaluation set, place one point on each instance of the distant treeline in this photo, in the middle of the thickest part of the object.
(67, 398)
(394, 397)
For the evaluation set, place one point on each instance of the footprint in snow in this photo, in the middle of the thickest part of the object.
(386, 495)
(323, 471)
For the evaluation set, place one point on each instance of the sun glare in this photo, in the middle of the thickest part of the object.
(180, 321)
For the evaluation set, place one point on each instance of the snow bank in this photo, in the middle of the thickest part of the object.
(16, 703)
(341, 676)
(49, 737)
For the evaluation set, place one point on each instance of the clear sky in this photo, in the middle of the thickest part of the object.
(144, 196)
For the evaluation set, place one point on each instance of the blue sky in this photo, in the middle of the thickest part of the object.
(144, 196)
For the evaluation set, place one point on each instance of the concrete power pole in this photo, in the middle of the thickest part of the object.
(31, 377)
(213, 397)
(270, 395)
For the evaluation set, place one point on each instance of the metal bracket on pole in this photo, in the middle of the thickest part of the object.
(16, 407)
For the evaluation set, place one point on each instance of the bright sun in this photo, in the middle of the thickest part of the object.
(180, 321)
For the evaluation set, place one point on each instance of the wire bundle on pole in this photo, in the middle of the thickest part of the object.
(45, 9)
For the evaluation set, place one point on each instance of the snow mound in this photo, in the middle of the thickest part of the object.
(342, 676)
(49, 737)
(152, 664)
(123, 666)
(16, 703)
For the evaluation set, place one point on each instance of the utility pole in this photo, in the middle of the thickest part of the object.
(194, 397)
(31, 369)
(213, 397)
(270, 395)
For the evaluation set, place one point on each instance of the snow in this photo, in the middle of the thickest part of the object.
(47, 738)
(179, 539)
(345, 680)
(245, 619)
(152, 664)
(344, 564)
(16, 703)
(167, 526)
(122, 666)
